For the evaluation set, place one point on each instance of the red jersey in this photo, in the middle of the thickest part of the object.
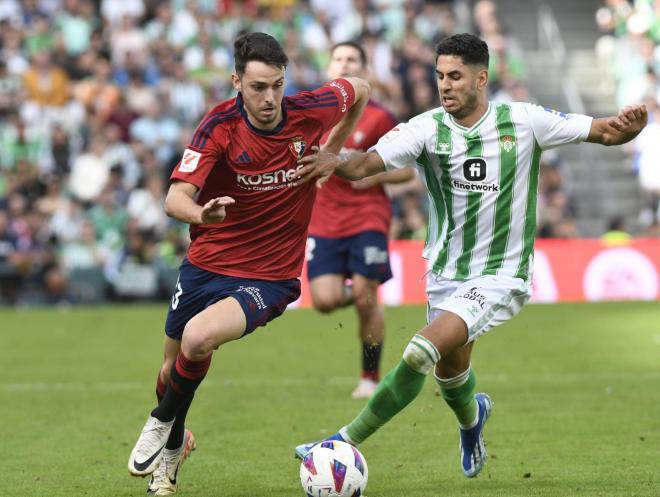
(264, 233)
(340, 210)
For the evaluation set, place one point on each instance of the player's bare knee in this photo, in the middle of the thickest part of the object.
(421, 355)
(197, 342)
(325, 304)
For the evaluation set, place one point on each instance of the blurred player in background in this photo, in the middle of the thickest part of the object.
(480, 160)
(248, 219)
(350, 226)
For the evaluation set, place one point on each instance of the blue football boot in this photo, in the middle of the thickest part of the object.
(473, 449)
(303, 449)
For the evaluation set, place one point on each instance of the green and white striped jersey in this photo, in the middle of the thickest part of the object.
(482, 183)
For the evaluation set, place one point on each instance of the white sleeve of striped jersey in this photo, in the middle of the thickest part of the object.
(553, 128)
(402, 145)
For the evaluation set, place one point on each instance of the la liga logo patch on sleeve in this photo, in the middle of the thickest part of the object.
(189, 161)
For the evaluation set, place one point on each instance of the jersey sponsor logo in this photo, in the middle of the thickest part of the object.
(255, 294)
(344, 94)
(272, 180)
(297, 146)
(556, 113)
(374, 255)
(472, 187)
(358, 136)
(507, 143)
(473, 295)
(474, 169)
(189, 161)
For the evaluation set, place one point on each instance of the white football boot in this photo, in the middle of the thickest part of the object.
(148, 450)
(164, 478)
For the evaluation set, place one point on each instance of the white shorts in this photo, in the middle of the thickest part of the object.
(482, 302)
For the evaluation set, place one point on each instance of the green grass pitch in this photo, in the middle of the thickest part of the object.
(576, 391)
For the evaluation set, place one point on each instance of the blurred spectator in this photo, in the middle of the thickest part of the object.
(11, 50)
(139, 96)
(128, 41)
(109, 220)
(114, 11)
(75, 24)
(156, 130)
(84, 252)
(186, 97)
(647, 161)
(410, 221)
(20, 142)
(60, 150)
(67, 221)
(173, 246)
(89, 171)
(99, 98)
(122, 116)
(616, 233)
(10, 279)
(131, 271)
(46, 84)
(556, 214)
(10, 90)
(145, 205)
(97, 92)
(40, 36)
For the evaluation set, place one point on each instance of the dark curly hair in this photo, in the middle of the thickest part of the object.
(470, 48)
(258, 46)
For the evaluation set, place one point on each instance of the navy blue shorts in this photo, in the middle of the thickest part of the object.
(196, 289)
(364, 253)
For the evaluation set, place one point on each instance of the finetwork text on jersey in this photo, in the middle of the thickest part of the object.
(472, 187)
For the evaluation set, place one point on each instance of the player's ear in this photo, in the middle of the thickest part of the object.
(236, 81)
(482, 78)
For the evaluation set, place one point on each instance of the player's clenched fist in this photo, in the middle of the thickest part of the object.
(214, 211)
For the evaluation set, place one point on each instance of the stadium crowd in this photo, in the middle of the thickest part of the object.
(99, 98)
(629, 50)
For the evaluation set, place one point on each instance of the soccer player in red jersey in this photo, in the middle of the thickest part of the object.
(349, 229)
(248, 221)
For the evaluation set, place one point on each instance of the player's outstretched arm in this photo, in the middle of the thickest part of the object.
(180, 204)
(344, 127)
(322, 164)
(393, 177)
(620, 129)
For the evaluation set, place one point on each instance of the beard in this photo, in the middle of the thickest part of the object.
(471, 102)
(264, 119)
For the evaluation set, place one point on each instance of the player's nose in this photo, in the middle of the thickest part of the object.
(269, 96)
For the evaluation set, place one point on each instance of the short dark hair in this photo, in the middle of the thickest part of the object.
(470, 48)
(356, 46)
(258, 46)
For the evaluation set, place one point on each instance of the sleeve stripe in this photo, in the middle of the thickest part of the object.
(211, 115)
(316, 96)
(311, 105)
(308, 95)
(305, 100)
(204, 131)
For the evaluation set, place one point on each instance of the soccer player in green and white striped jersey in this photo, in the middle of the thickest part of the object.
(480, 161)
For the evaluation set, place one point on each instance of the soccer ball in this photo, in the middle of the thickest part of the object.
(334, 469)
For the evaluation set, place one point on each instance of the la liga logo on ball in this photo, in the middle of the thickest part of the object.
(334, 469)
